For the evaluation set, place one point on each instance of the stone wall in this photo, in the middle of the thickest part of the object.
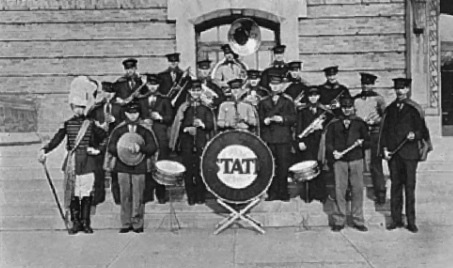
(44, 44)
(357, 35)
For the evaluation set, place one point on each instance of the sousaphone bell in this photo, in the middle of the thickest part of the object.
(244, 36)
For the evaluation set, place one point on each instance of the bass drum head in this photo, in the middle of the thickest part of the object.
(237, 166)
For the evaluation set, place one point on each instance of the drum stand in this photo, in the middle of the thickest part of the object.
(236, 215)
(174, 222)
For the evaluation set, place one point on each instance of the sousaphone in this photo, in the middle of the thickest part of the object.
(244, 36)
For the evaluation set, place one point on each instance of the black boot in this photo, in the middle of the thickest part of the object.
(74, 208)
(86, 207)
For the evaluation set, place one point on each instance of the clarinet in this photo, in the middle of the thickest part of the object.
(194, 145)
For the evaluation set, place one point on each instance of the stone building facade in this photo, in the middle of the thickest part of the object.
(44, 44)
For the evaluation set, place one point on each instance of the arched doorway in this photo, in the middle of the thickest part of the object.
(212, 34)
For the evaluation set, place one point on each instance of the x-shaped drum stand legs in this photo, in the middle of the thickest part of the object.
(238, 215)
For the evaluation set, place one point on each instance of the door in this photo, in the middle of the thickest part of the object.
(447, 99)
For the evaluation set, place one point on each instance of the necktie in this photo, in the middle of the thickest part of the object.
(275, 99)
(346, 123)
(173, 76)
(132, 128)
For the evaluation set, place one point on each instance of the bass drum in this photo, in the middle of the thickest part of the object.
(237, 166)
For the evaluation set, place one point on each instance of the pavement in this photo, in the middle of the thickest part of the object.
(31, 233)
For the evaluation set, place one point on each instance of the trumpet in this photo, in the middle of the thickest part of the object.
(298, 99)
(316, 124)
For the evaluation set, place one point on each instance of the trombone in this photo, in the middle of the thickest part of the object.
(177, 84)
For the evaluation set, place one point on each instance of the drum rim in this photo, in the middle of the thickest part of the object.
(166, 160)
(202, 161)
(306, 161)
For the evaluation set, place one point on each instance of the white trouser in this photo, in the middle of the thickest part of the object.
(84, 185)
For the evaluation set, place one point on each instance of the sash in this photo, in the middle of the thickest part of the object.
(69, 165)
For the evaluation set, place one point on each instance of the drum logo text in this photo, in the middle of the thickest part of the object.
(237, 166)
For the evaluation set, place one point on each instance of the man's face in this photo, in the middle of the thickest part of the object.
(275, 87)
(401, 93)
(367, 87)
(77, 109)
(132, 116)
(203, 73)
(332, 78)
(152, 87)
(173, 64)
(313, 98)
(229, 57)
(347, 111)
(254, 82)
(195, 93)
(294, 73)
(131, 71)
(278, 56)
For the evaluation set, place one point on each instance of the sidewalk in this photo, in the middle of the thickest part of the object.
(279, 247)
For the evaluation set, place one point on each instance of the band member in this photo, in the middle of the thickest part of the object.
(229, 68)
(131, 178)
(212, 94)
(174, 81)
(297, 89)
(278, 66)
(403, 129)
(235, 113)
(332, 91)
(311, 121)
(346, 139)
(162, 114)
(101, 115)
(370, 107)
(126, 89)
(189, 133)
(255, 92)
(83, 138)
(277, 116)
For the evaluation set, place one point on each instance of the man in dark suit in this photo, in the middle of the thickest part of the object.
(277, 66)
(174, 82)
(189, 134)
(346, 138)
(297, 89)
(403, 125)
(332, 91)
(277, 116)
(254, 91)
(161, 113)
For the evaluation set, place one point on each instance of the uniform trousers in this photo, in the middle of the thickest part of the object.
(377, 174)
(195, 188)
(282, 155)
(132, 206)
(348, 172)
(402, 175)
(83, 185)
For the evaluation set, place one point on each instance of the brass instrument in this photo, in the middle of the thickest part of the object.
(316, 124)
(177, 84)
(297, 100)
(244, 36)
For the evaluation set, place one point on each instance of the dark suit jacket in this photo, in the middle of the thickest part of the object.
(295, 88)
(339, 138)
(397, 124)
(277, 132)
(304, 118)
(186, 140)
(166, 84)
(163, 107)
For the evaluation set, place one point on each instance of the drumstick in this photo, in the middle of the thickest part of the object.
(350, 148)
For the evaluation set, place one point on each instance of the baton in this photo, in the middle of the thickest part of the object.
(52, 187)
(398, 147)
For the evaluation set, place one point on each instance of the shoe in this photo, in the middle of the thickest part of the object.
(162, 201)
(412, 228)
(395, 225)
(337, 228)
(284, 198)
(138, 230)
(75, 216)
(200, 202)
(86, 210)
(191, 202)
(361, 228)
(125, 230)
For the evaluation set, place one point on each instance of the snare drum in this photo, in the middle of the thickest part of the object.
(305, 171)
(168, 172)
